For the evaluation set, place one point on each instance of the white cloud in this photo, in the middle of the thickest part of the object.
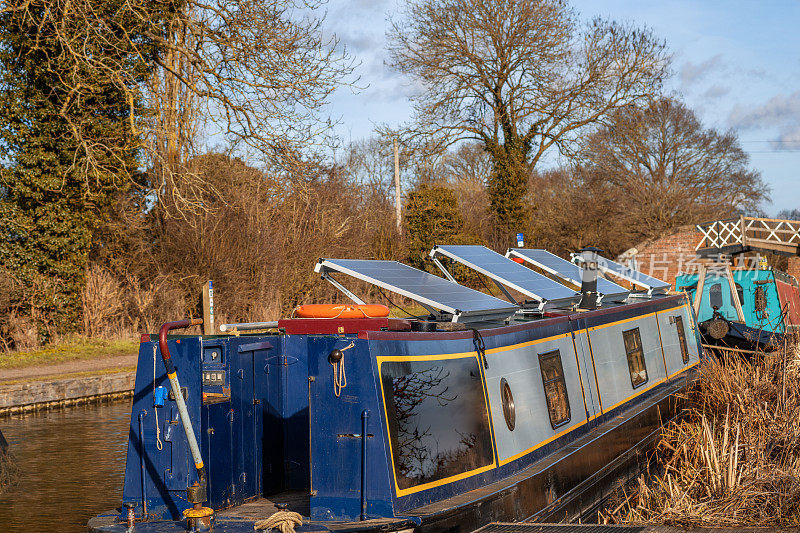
(716, 91)
(693, 72)
(781, 112)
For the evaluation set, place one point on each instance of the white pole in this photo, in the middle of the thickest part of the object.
(397, 186)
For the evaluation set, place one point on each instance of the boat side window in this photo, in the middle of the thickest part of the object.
(682, 339)
(715, 296)
(740, 293)
(555, 388)
(438, 419)
(635, 353)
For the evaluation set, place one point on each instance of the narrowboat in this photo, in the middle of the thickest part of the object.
(526, 407)
(743, 308)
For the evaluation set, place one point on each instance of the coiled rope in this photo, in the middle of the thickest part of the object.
(284, 521)
(339, 375)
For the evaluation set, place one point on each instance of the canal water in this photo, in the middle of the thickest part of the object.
(71, 466)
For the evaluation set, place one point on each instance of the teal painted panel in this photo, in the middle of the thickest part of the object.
(748, 283)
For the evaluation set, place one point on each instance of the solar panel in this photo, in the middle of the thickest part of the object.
(629, 274)
(465, 304)
(508, 273)
(565, 270)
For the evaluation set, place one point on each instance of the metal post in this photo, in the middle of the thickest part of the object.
(397, 186)
(364, 418)
(142, 414)
(208, 308)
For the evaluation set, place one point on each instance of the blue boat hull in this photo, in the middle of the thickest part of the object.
(432, 431)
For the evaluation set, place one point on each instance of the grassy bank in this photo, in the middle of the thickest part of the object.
(77, 349)
(734, 459)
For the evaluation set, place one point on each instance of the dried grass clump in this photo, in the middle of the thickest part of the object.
(734, 459)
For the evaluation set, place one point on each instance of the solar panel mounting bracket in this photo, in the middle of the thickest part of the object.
(327, 277)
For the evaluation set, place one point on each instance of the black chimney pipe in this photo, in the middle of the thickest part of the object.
(589, 277)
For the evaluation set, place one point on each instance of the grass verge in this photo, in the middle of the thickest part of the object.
(72, 350)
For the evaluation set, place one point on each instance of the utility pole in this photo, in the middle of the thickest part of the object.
(397, 186)
(208, 308)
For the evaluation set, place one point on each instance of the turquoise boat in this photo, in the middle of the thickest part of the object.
(746, 308)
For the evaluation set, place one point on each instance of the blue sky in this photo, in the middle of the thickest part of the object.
(736, 63)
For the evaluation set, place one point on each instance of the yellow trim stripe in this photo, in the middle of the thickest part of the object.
(623, 321)
(173, 375)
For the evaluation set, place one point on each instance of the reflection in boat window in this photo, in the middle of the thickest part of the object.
(438, 420)
(555, 388)
(633, 348)
(682, 339)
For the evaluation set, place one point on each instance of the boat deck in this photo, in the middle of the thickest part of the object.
(298, 501)
(293, 500)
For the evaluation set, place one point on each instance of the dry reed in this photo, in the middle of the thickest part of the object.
(734, 458)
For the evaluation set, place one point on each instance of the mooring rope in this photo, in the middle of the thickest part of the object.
(339, 375)
(284, 521)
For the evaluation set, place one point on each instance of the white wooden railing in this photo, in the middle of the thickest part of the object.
(765, 234)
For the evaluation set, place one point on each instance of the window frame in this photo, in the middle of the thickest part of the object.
(682, 339)
(555, 354)
(405, 485)
(639, 348)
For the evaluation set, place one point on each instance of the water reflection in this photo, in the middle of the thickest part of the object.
(71, 463)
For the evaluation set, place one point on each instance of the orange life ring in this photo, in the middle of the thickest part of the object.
(341, 311)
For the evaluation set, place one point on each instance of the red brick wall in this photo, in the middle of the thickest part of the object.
(793, 269)
(666, 257)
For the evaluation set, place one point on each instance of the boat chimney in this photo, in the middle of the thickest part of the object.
(589, 277)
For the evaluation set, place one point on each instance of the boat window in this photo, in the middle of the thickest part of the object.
(682, 339)
(740, 293)
(509, 412)
(635, 353)
(555, 388)
(438, 419)
(715, 296)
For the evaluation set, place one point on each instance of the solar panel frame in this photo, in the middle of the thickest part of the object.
(628, 274)
(430, 290)
(570, 272)
(503, 270)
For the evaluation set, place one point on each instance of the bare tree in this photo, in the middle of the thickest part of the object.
(520, 77)
(663, 169)
(789, 214)
(255, 74)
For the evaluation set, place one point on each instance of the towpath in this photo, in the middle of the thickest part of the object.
(98, 365)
